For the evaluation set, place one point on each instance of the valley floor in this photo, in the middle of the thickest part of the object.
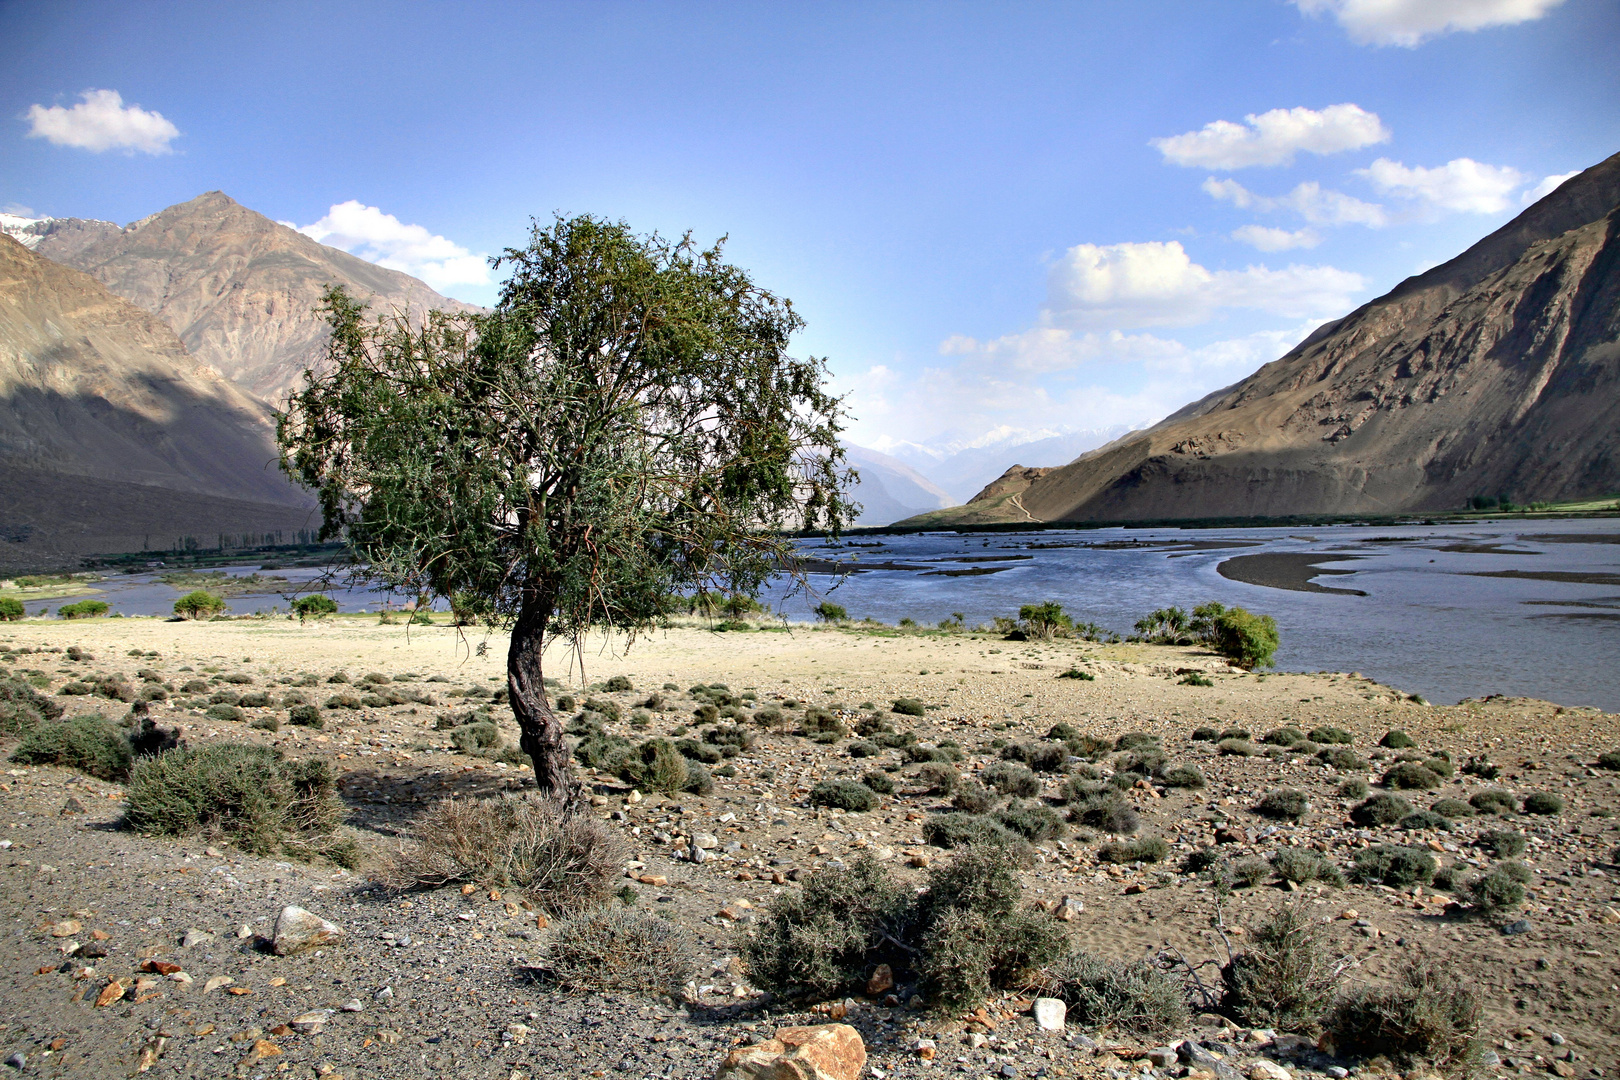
(435, 983)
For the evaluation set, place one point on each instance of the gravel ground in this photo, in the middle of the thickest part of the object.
(440, 982)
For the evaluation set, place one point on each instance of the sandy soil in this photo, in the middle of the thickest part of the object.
(458, 1001)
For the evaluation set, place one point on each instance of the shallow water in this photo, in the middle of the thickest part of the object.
(1429, 624)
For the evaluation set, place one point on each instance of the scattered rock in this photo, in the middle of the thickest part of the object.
(299, 931)
(17, 1060)
(925, 1049)
(66, 928)
(823, 1052)
(193, 938)
(353, 1005)
(1268, 1070)
(216, 982)
(312, 1022)
(1070, 909)
(1050, 1013)
(72, 806)
(1514, 929)
(882, 980)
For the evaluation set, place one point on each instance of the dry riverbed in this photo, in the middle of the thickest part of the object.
(437, 983)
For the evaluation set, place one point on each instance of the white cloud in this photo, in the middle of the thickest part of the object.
(383, 239)
(1548, 185)
(1409, 22)
(101, 121)
(1273, 138)
(1461, 185)
(1311, 201)
(1268, 239)
(1120, 286)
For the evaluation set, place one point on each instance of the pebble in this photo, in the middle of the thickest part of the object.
(193, 938)
(1050, 1013)
(352, 1005)
(299, 931)
(17, 1060)
(312, 1022)
(1513, 929)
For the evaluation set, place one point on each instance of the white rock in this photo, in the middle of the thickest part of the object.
(311, 1022)
(1050, 1013)
(352, 1005)
(705, 841)
(196, 937)
(1268, 1070)
(299, 931)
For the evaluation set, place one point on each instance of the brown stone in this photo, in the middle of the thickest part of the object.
(823, 1052)
(882, 980)
(1231, 834)
(113, 991)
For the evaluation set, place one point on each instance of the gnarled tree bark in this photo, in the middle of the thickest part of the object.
(542, 734)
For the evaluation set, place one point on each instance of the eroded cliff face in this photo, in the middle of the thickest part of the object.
(100, 403)
(1496, 373)
(241, 291)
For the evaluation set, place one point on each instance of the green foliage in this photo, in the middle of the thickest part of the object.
(1041, 756)
(1182, 776)
(956, 830)
(1135, 997)
(656, 766)
(1283, 736)
(1452, 808)
(1397, 740)
(1205, 734)
(551, 463)
(1043, 621)
(470, 738)
(224, 713)
(1193, 678)
(1248, 640)
(1353, 788)
(879, 782)
(1495, 892)
(314, 606)
(199, 604)
(1411, 775)
(1167, 626)
(974, 798)
(1106, 810)
(306, 716)
(619, 949)
(909, 707)
(87, 743)
(1493, 801)
(84, 609)
(11, 609)
(1331, 736)
(1301, 865)
(827, 611)
(1544, 803)
(1384, 808)
(1145, 849)
(1032, 820)
(844, 795)
(1503, 843)
(619, 684)
(1237, 748)
(1284, 804)
(1011, 779)
(1286, 977)
(21, 706)
(937, 777)
(1424, 819)
(1076, 673)
(1342, 758)
(248, 795)
(1392, 864)
(1427, 1015)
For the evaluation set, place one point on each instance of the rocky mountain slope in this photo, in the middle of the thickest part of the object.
(239, 289)
(110, 430)
(889, 489)
(1495, 373)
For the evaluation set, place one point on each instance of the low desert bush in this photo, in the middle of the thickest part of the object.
(1134, 997)
(84, 609)
(959, 830)
(1418, 820)
(524, 842)
(471, 738)
(1243, 873)
(1544, 803)
(87, 743)
(937, 778)
(1425, 1016)
(1145, 849)
(860, 748)
(1284, 804)
(1011, 779)
(973, 797)
(656, 765)
(1330, 736)
(878, 781)
(1041, 756)
(314, 606)
(1283, 736)
(1205, 734)
(1286, 977)
(21, 706)
(1493, 801)
(306, 716)
(249, 796)
(1452, 808)
(1411, 775)
(1392, 864)
(1032, 820)
(844, 795)
(223, 713)
(1499, 890)
(1135, 740)
(1234, 747)
(1182, 776)
(198, 605)
(1503, 843)
(620, 949)
(909, 706)
(11, 609)
(1481, 767)
(1107, 811)
(1609, 759)
(1397, 740)
(1383, 808)
(1301, 865)
(1353, 788)
(1342, 758)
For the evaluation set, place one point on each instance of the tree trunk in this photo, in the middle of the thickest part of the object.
(542, 734)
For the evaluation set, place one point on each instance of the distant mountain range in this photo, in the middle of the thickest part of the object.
(1497, 373)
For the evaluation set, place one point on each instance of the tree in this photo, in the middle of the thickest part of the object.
(11, 609)
(1044, 621)
(827, 611)
(314, 606)
(623, 428)
(1248, 640)
(198, 604)
(84, 609)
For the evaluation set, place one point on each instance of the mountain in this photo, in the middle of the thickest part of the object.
(240, 290)
(889, 490)
(963, 469)
(1497, 373)
(112, 433)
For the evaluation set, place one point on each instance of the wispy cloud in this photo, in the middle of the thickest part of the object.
(101, 121)
(1461, 185)
(1274, 138)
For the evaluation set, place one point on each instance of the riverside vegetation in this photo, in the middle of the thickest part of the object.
(839, 822)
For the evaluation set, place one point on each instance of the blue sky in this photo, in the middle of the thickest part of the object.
(1000, 220)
